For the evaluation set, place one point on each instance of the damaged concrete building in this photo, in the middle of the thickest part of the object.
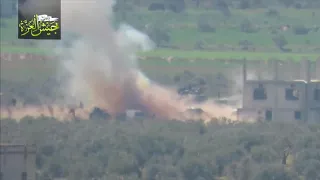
(17, 162)
(280, 99)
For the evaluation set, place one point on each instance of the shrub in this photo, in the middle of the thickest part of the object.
(280, 41)
(276, 173)
(247, 27)
(204, 26)
(298, 6)
(199, 45)
(245, 44)
(244, 4)
(300, 30)
(158, 34)
(272, 13)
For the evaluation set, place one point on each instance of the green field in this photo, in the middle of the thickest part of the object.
(184, 33)
(223, 44)
(199, 49)
(22, 49)
(211, 55)
(191, 55)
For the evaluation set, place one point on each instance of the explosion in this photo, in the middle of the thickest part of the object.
(103, 71)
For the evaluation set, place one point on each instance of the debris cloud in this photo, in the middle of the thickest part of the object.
(103, 71)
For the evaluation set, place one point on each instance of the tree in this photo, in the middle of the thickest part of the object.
(244, 4)
(57, 171)
(300, 30)
(272, 13)
(176, 6)
(197, 3)
(276, 173)
(159, 34)
(311, 171)
(171, 150)
(287, 3)
(245, 44)
(121, 9)
(223, 7)
(280, 41)
(204, 26)
(247, 26)
(194, 168)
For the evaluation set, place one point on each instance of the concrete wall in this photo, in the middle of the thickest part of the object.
(304, 108)
(275, 91)
(305, 70)
(246, 114)
(287, 70)
(281, 114)
(314, 115)
(317, 74)
(312, 103)
(288, 114)
(16, 159)
(248, 100)
(282, 102)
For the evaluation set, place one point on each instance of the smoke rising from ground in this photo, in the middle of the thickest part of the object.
(103, 71)
(102, 64)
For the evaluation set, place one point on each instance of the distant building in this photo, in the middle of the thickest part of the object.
(282, 100)
(17, 162)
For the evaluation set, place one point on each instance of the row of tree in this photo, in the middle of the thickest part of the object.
(9, 7)
(144, 149)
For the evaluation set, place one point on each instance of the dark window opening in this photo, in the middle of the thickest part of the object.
(316, 94)
(1, 176)
(268, 115)
(292, 94)
(297, 115)
(24, 176)
(259, 93)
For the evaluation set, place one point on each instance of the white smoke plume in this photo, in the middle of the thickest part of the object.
(103, 71)
(103, 61)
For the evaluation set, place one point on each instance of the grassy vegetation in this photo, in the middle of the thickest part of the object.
(227, 28)
(184, 33)
(193, 55)
(22, 71)
(10, 31)
(232, 36)
(223, 44)
(257, 16)
(23, 49)
(145, 149)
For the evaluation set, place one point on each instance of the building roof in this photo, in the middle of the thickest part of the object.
(312, 80)
(275, 82)
(282, 81)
